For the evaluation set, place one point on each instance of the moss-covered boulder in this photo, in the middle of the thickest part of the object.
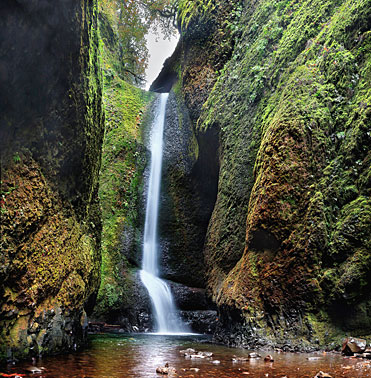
(51, 136)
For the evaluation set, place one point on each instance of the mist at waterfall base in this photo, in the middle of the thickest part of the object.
(166, 316)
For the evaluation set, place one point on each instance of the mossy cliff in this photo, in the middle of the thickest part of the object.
(51, 136)
(191, 165)
(287, 249)
(121, 185)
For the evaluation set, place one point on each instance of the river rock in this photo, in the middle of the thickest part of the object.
(196, 370)
(187, 351)
(206, 354)
(268, 358)
(353, 345)
(254, 355)
(34, 369)
(239, 359)
(166, 370)
(195, 356)
(321, 374)
(192, 353)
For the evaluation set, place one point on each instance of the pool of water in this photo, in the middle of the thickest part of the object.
(118, 356)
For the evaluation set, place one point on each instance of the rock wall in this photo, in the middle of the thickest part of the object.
(187, 198)
(122, 299)
(51, 134)
(287, 251)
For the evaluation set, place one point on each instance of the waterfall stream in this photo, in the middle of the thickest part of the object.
(164, 308)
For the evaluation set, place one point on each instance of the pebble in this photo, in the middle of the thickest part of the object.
(268, 358)
(321, 374)
(254, 355)
(240, 359)
(165, 370)
(196, 370)
(196, 356)
(187, 351)
(34, 369)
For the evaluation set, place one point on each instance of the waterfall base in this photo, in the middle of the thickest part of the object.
(167, 320)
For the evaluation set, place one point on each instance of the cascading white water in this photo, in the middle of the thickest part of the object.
(161, 297)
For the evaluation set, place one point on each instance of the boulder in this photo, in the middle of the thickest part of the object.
(353, 345)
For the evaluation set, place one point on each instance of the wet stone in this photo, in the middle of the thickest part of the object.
(268, 358)
(353, 345)
(34, 369)
(254, 355)
(239, 359)
(166, 370)
(321, 374)
(187, 351)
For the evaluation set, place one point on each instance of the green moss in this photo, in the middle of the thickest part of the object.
(292, 107)
(50, 217)
(322, 329)
(121, 173)
(200, 9)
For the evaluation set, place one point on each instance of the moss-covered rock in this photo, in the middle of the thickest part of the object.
(51, 136)
(121, 186)
(287, 248)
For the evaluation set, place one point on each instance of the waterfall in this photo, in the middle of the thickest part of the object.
(164, 308)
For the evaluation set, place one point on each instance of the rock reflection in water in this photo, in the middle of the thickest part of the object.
(118, 356)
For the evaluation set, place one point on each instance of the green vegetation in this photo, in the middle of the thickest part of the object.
(292, 107)
(200, 9)
(50, 218)
(16, 158)
(123, 161)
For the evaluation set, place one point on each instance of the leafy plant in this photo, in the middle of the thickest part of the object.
(16, 158)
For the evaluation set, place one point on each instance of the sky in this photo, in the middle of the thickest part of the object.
(159, 50)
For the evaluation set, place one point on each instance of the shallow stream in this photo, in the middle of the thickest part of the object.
(119, 356)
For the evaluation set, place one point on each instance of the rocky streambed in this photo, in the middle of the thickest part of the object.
(139, 355)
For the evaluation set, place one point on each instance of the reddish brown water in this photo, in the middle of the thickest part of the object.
(117, 356)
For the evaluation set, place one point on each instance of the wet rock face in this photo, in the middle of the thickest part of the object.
(187, 197)
(203, 321)
(45, 73)
(287, 243)
(190, 298)
(51, 134)
(135, 313)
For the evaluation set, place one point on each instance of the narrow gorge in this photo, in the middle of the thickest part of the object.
(257, 224)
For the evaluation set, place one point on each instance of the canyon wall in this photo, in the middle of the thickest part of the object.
(279, 99)
(51, 136)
